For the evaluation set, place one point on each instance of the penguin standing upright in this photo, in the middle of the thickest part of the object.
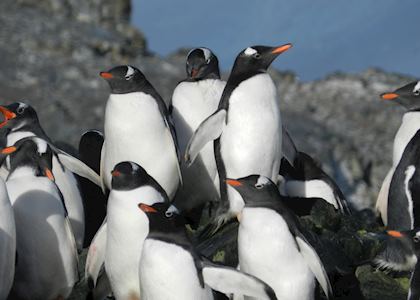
(7, 242)
(126, 229)
(47, 254)
(271, 243)
(409, 97)
(138, 128)
(246, 127)
(20, 121)
(193, 100)
(170, 268)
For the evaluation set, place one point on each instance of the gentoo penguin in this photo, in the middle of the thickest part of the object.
(403, 212)
(306, 180)
(409, 97)
(170, 268)
(193, 100)
(127, 227)
(246, 127)
(20, 121)
(138, 128)
(410, 239)
(271, 243)
(7, 242)
(47, 254)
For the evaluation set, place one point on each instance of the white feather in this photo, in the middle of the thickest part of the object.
(250, 51)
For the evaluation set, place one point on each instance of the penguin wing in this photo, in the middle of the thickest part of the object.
(96, 256)
(70, 236)
(314, 263)
(230, 281)
(102, 170)
(382, 200)
(172, 136)
(289, 149)
(210, 129)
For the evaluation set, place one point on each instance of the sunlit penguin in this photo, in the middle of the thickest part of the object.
(127, 227)
(20, 121)
(409, 97)
(170, 268)
(193, 100)
(7, 242)
(47, 254)
(271, 243)
(246, 127)
(138, 128)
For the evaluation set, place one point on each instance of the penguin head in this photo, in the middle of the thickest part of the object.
(17, 115)
(162, 217)
(31, 152)
(257, 58)
(411, 238)
(408, 96)
(128, 175)
(255, 189)
(202, 64)
(124, 79)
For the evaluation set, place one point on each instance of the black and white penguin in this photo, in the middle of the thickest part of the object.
(403, 211)
(45, 242)
(20, 121)
(409, 97)
(193, 100)
(170, 268)
(7, 242)
(138, 128)
(127, 226)
(306, 181)
(271, 243)
(246, 127)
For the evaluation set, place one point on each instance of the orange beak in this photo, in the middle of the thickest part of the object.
(8, 150)
(147, 208)
(49, 174)
(194, 73)
(389, 96)
(106, 75)
(8, 115)
(115, 173)
(281, 49)
(232, 182)
(395, 233)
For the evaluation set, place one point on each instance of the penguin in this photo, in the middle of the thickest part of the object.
(45, 242)
(246, 127)
(170, 268)
(193, 100)
(7, 242)
(407, 96)
(20, 121)
(271, 242)
(306, 181)
(138, 128)
(410, 239)
(126, 230)
(403, 212)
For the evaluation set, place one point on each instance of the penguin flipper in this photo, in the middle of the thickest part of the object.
(382, 200)
(315, 264)
(210, 129)
(289, 149)
(96, 256)
(72, 238)
(231, 281)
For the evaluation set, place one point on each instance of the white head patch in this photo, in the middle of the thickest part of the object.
(134, 166)
(22, 105)
(418, 233)
(130, 71)
(41, 144)
(416, 89)
(207, 54)
(250, 51)
(262, 180)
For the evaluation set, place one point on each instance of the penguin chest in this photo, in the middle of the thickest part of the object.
(160, 261)
(250, 142)
(409, 126)
(268, 250)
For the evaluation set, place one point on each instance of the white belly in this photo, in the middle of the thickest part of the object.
(135, 131)
(44, 242)
(160, 261)
(409, 126)
(7, 243)
(268, 251)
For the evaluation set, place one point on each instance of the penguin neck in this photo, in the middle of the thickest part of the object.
(409, 126)
(22, 172)
(26, 131)
(212, 75)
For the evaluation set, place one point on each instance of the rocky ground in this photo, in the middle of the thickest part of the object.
(52, 52)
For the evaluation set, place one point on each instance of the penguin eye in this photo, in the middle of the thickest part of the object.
(168, 214)
(416, 93)
(257, 55)
(128, 77)
(20, 110)
(207, 61)
(259, 186)
(416, 239)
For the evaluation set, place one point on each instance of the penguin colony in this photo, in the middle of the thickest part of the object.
(218, 154)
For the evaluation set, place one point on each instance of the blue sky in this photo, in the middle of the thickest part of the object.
(328, 35)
